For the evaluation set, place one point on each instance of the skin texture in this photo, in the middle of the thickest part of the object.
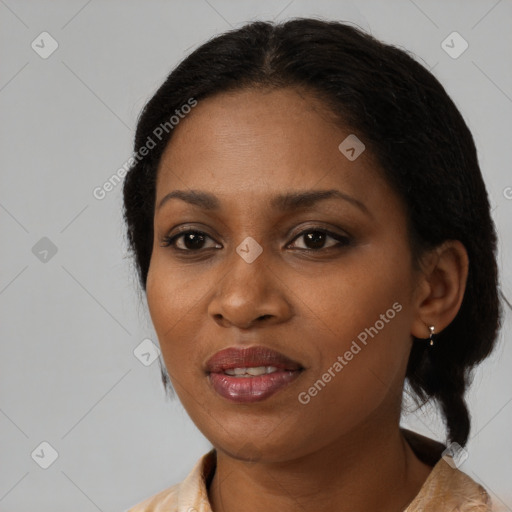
(343, 450)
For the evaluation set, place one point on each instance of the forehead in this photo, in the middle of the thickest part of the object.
(259, 141)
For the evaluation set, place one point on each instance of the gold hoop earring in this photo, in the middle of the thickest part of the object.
(431, 329)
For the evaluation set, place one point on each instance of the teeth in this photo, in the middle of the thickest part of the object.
(250, 372)
(259, 370)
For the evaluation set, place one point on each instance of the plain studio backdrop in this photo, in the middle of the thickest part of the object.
(84, 421)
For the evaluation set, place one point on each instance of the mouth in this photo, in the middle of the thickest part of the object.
(252, 374)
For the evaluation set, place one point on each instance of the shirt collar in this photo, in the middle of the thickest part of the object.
(192, 493)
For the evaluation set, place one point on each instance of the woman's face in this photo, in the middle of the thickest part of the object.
(328, 283)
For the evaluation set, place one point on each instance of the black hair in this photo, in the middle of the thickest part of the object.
(412, 128)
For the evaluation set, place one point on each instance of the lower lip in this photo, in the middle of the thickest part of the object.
(251, 389)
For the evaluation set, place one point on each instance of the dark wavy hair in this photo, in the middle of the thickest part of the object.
(414, 130)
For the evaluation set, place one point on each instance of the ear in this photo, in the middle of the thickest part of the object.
(440, 289)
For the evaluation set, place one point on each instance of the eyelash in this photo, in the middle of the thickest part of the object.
(343, 240)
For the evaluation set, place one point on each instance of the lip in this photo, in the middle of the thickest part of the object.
(253, 388)
(232, 357)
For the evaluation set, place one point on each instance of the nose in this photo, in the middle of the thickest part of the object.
(249, 295)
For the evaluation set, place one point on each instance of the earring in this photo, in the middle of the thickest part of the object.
(431, 329)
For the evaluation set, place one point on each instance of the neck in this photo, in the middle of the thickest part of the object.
(363, 470)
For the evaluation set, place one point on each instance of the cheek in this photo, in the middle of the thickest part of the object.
(360, 374)
(353, 295)
(172, 303)
(173, 294)
(363, 317)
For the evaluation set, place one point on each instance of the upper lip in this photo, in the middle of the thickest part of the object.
(237, 357)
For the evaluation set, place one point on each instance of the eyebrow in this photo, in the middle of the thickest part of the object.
(282, 202)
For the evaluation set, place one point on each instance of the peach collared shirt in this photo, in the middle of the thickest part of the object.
(446, 489)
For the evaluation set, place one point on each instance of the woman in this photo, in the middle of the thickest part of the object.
(311, 229)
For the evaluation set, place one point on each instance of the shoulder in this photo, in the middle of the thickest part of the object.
(163, 501)
(190, 494)
(449, 489)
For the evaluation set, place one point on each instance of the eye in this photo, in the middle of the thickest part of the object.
(191, 241)
(315, 239)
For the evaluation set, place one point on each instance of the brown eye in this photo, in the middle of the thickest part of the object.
(315, 239)
(190, 241)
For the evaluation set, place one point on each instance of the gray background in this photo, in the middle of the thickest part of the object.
(70, 324)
